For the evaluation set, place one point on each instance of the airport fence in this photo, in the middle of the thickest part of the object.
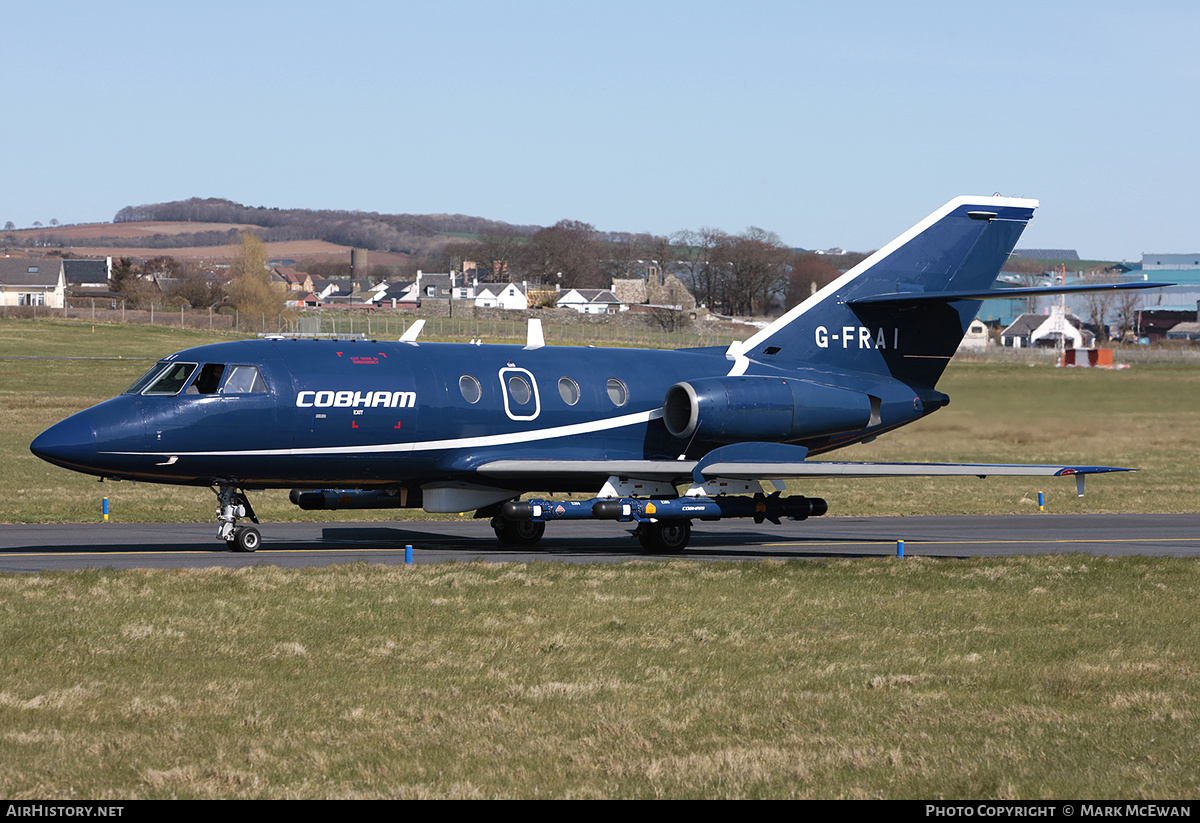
(1122, 355)
(559, 327)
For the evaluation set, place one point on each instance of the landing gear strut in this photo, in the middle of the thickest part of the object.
(232, 504)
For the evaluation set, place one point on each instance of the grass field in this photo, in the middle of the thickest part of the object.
(1048, 677)
(1051, 677)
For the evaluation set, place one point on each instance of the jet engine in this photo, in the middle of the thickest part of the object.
(764, 409)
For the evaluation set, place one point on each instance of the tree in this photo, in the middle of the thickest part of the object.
(163, 266)
(1100, 304)
(702, 274)
(195, 288)
(630, 256)
(9, 226)
(568, 247)
(757, 271)
(495, 255)
(123, 274)
(809, 272)
(250, 288)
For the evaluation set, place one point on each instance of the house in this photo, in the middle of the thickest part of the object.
(659, 289)
(976, 337)
(590, 301)
(450, 286)
(292, 279)
(32, 281)
(503, 296)
(391, 295)
(88, 277)
(1185, 331)
(1046, 329)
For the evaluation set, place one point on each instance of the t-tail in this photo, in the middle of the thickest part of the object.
(904, 310)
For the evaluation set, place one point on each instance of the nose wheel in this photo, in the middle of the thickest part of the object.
(233, 504)
(244, 539)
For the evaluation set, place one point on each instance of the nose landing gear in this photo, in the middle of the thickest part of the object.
(232, 504)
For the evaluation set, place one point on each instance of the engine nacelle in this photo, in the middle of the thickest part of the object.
(765, 409)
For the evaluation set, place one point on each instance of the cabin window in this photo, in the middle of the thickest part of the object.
(569, 390)
(171, 380)
(470, 388)
(519, 390)
(244, 380)
(617, 392)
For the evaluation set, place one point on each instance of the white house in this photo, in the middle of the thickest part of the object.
(502, 295)
(590, 301)
(32, 281)
(976, 336)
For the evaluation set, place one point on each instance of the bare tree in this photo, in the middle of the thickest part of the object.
(495, 255)
(757, 272)
(568, 247)
(809, 272)
(702, 274)
(1100, 304)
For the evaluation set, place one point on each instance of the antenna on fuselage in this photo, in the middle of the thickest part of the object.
(534, 339)
(412, 332)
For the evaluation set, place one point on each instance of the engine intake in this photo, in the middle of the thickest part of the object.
(768, 409)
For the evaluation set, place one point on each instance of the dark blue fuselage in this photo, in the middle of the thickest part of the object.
(373, 414)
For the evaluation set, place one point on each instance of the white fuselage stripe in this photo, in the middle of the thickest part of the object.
(510, 438)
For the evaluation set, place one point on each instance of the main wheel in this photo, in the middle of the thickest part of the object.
(245, 539)
(518, 532)
(665, 536)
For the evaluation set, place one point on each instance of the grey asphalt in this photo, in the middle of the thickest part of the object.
(179, 545)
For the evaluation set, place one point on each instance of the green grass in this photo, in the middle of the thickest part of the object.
(1049, 677)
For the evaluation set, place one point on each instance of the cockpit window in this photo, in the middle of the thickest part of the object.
(144, 381)
(244, 380)
(172, 379)
(208, 380)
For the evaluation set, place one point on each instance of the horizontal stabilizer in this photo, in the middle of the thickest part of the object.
(998, 294)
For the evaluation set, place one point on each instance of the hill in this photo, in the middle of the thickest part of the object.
(208, 229)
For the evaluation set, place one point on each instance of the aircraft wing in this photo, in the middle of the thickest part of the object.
(688, 471)
(811, 468)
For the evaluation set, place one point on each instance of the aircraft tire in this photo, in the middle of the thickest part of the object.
(518, 532)
(665, 536)
(246, 539)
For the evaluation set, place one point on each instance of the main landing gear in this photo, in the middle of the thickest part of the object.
(664, 536)
(661, 537)
(232, 504)
(663, 525)
(518, 532)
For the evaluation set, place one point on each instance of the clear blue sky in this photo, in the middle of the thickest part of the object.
(828, 123)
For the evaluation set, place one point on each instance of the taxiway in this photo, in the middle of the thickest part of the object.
(35, 548)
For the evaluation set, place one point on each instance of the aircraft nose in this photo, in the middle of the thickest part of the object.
(73, 441)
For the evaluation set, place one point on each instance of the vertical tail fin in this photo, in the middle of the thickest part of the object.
(896, 312)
